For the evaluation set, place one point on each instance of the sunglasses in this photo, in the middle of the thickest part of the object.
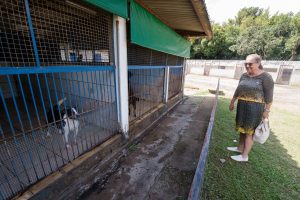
(248, 64)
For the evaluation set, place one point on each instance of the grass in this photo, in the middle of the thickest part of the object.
(273, 169)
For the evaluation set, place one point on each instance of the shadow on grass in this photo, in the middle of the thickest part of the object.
(271, 173)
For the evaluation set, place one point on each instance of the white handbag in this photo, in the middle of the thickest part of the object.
(262, 132)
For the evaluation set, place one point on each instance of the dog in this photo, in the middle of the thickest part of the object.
(71, 124)
(132, 98)
(65, 120)
(54, 115)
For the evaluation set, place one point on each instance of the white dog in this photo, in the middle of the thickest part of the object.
(70, 125)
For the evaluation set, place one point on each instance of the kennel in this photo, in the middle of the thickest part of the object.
(80, 51)
(51, 50)
(147, 79)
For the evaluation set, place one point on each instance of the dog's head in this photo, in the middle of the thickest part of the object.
(70, 112)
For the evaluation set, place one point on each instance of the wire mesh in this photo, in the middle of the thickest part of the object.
(15, 41)
(175, 81)
(145, 90)
(146, 78)
(66, 33)
(142, 56)
(71, 33)
(39, 129)
(35, 141)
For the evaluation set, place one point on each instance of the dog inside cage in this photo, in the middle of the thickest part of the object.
(46, 120)
(64, 120)
(145, 91)
(57, 100)
(146, 79)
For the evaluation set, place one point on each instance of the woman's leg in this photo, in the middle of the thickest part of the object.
(248, 145)
(242, 142)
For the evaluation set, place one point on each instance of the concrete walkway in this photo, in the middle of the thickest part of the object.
(162, 165)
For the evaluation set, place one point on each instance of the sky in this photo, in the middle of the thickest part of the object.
(222, 10)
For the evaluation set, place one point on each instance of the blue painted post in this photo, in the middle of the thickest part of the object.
(82, 111)
(47, 121)
(16, 143)
(95, 105)
(57, 100)
(90, 145)
(32, 33)
(71, 105)
(22, 129)
(77, 105)
(36, 110)
(64, 102)
(91, 112)
(4, 174)
(51, 108)
(31, 127)
(109, 97)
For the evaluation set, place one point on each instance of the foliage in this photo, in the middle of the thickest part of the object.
(253, 30)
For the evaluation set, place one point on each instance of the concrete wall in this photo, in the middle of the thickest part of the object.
(283, 72)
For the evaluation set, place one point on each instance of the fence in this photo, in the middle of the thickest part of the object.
(145, 90)
(34, 142)
(175, 81)
(283, 72)
(58, 92)
(57, 87)
(147, 78)
(196, 187)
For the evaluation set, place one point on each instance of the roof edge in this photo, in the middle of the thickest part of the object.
(201, 11)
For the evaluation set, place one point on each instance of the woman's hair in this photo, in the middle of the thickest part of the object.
(257, 59)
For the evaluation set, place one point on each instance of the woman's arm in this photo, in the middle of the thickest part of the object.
(268, 88)
(231, 106)
(267, 110)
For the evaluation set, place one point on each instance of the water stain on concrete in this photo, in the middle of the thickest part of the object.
(162, 165)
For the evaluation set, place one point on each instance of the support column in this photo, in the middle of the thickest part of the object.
(166, 84)
(120, 57)
(184, 72)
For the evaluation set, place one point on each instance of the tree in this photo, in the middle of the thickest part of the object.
(293, 43)
(215, 48)
(253, 30)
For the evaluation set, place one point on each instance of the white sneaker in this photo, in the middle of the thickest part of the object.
(235, 149)
(239, 158)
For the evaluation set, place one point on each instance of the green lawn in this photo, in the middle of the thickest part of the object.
(273, 169)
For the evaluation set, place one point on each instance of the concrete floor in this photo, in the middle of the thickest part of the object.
(162, 165)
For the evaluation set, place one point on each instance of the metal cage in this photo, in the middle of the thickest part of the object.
(147, 79)
(55, 57)
(175, 81)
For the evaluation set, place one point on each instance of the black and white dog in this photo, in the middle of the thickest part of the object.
(64, 119)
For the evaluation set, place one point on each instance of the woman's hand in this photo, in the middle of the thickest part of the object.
(231, 106)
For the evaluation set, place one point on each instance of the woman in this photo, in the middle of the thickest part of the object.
(255, 95)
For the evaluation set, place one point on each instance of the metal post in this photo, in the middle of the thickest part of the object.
(166, 84)
(32, 33)
(120, 44)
